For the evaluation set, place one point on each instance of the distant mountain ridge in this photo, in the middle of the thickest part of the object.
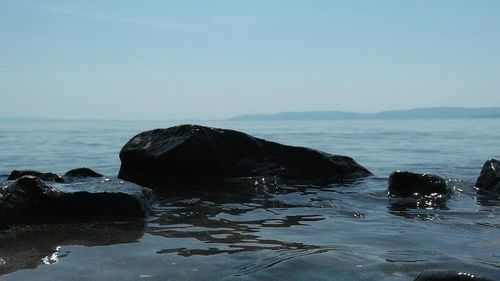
(416, 113)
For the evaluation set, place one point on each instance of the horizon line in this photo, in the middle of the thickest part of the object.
(35, 118)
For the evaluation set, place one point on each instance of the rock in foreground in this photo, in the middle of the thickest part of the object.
(29, 200)
(196, 153)
(403, 183)
(16, 174)
(489, 179)
(438, 275)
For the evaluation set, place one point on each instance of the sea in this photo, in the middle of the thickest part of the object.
(338, 231)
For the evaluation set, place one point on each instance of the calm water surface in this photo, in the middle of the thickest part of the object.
(271, 232)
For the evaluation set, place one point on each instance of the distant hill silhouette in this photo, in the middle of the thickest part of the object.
(417, 113)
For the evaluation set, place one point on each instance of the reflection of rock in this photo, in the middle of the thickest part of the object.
(29, 200)
(197, 153)
(14, 175)
(403, 183)
(439, 275)
(25, 247)
(206, 217)
(82, 173)
(421, 208)
(487, 200)
(489, 179)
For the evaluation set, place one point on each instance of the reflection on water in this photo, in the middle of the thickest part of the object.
(488, 199)
(241, 223)
(251, 232)
(421, 207)
(230, 222)
(25, 247)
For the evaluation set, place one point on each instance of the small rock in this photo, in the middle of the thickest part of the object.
(16, 174)
(489, 179)
(29, 200)
(82, 173)
(404, 183)
(440, 275)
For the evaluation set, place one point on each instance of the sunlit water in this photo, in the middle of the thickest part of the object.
(271, 232)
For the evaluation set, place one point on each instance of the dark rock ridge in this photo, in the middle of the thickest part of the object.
(196, 153)
(404, 183)
(489, 179)
(440, 275)
(29, 200)
(82, 173)
(51, 177)
(16, 174)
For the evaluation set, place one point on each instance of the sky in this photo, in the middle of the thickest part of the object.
(156, 59)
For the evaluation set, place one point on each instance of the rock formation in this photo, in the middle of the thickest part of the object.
(16, 174)
(404, 183)
(82, 173)
(440, 275)
(489, 179)
(191, 153)
(29, 200)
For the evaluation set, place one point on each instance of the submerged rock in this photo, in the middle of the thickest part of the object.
(489, 179)
(404, 183)
(196, 153)
(16, 174)
(440, 275)
(82, 173)
(29, 200)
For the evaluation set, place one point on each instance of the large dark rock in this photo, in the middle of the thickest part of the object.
(489, 179)
(82, 173)
(404, 183)
(440, 275)
(14, 175)
(196, 153)
(29, 200)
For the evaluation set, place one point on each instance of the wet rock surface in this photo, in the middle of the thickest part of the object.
(439, 275)
(489, 179)
(29, 200)
(404, 183)
(16, 174)
(82, 173)
(196, 153)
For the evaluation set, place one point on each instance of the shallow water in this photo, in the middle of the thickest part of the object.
(269, 232)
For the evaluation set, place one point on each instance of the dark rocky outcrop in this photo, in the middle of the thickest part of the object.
(489, 179)
(440, 275)
(404, 183)
(196, 153)
(29, 200)
(82, 173)
(16, 174)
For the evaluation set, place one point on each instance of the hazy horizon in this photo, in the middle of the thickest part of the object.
(411, 113)
(169, 60)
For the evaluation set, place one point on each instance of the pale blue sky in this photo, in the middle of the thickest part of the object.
(213, 59)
